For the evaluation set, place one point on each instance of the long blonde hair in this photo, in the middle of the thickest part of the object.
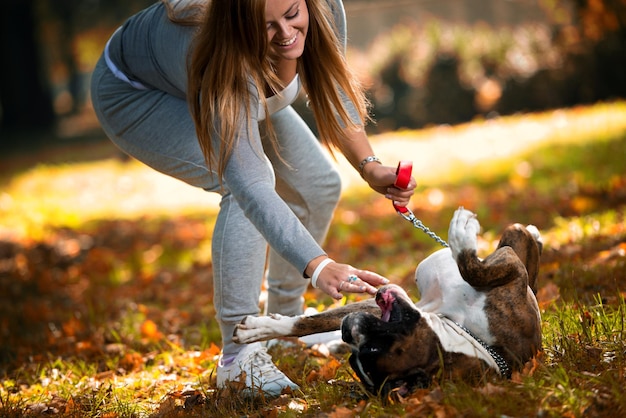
(231, 50)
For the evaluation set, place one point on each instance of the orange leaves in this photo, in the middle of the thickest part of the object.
(21, 264)
(99, 260)
(133, 298)
(73, 327)
(131, 361)
(529, 369)
(373, 236)
(213, 350)
(425, 402)
(150, 331)
(181, 400)
(611, 255)
(327, 371)
(180, 403)
(342, 412)
(583, 204)
(547, 294)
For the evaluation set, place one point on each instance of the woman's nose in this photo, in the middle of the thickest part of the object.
(282, 30)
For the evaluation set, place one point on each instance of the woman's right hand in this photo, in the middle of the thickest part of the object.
(335, 278)
(382, 178)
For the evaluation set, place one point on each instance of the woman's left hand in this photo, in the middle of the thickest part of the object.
(336, 279)
(382, 178)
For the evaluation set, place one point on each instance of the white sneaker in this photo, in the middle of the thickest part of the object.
(255, 365)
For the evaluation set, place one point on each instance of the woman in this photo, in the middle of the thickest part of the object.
(201, 91)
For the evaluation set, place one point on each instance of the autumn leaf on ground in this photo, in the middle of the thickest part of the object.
(327, 371)
(547, 295)
(150, 330)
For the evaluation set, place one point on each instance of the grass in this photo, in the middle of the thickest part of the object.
(108, 310)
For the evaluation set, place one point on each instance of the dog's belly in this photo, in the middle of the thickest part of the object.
(444, 292)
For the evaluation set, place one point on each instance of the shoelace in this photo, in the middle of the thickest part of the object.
(260, 363)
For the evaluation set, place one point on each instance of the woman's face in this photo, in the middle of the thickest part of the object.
(287, 25)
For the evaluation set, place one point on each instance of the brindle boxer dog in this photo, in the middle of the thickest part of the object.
(475, 317)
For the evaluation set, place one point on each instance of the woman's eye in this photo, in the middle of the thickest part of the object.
(293, 16)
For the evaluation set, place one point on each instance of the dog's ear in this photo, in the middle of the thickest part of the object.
(357, 366)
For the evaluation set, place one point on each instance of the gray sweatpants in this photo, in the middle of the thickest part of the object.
(156, 128)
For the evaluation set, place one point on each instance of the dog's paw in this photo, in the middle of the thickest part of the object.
(464, 228)
(261, 328)
(241, 333)
(250, 329)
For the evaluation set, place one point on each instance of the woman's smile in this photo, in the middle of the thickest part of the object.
(287, 26)
(289, 42)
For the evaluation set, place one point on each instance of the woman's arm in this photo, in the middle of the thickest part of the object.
(356, 148)
(249, 177)
(332, 277)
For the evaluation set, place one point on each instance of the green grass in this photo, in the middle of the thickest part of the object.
(108, 293)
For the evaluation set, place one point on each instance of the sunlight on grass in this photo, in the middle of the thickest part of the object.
(80, 390)
(72, 194)
(447, 154)
(577, 229)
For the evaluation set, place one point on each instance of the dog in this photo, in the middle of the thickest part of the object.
(475, 318)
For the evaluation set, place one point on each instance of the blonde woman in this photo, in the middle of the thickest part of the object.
(201, 91)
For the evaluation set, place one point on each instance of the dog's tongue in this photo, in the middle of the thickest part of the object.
(386, 315)
(385, 302)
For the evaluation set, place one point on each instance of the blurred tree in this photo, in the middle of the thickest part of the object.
(43, 75)
(42, 43)
(602, 25)
(24, 95)
(599, 18)
(66, 13)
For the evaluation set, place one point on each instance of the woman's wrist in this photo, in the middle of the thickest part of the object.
(318, 270)
(366, 161)
(368, 171)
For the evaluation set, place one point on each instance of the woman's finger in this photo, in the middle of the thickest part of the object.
(336, 282)
(371, 278)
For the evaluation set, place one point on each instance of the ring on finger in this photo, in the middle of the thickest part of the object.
(352, 278)
(341, 285)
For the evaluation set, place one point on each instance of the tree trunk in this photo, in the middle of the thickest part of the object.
(25, 100)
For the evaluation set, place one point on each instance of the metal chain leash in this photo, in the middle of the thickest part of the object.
(403, 178)
(505, 369)
(408, 215)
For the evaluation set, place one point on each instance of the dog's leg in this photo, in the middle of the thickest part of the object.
(261, 328)
(527, 244)
(500, 267)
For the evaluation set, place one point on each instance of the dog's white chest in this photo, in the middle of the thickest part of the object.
(444, 292)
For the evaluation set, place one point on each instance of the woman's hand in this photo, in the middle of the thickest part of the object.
(382, 178)
(335, 278)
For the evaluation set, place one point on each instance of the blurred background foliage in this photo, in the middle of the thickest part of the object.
(423, 62)
(492, 58)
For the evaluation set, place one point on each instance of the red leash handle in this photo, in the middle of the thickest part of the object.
(403, 178)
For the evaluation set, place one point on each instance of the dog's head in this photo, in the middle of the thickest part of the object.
(398, 351)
